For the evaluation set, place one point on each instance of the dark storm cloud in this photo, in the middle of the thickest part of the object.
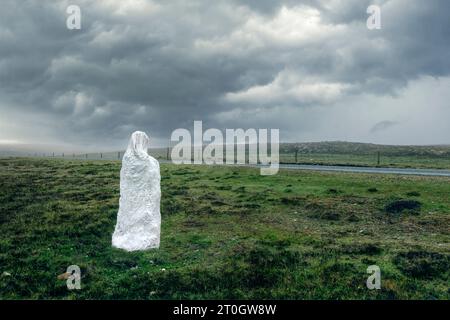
(159, 65)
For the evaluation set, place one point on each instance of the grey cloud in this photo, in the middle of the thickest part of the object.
(162, 66)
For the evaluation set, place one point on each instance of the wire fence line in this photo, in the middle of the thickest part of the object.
(160, 154)
(375, 159)
(322, 154)
(116, 155)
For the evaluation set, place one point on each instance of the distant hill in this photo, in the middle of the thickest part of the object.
(341, 147)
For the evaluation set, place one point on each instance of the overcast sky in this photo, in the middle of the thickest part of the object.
(309, 68)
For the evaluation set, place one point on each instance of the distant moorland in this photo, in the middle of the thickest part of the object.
(324, 153)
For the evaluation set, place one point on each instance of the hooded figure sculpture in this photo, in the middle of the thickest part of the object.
(138, 220)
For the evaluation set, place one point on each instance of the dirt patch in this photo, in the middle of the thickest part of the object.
(397, 206)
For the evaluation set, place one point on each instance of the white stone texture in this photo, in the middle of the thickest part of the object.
(138, 224)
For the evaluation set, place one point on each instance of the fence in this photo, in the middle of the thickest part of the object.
(370, 159)
(116, 155)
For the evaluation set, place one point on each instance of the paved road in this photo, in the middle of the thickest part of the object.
(401, 171)
(417, 172)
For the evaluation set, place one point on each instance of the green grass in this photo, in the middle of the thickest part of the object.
(227, 233)
(366, 154)
(368, 160)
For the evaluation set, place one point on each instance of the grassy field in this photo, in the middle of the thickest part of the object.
(358, 154)
(366, 154)
(226, 233)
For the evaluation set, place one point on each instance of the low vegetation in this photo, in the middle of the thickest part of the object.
(366, 154)
(227, 233)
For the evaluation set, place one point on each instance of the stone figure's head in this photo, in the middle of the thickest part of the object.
(139, 142)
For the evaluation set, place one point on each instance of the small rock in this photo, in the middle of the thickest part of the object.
(64, 276)
(6, 274)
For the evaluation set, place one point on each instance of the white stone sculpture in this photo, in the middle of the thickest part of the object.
(138, 224)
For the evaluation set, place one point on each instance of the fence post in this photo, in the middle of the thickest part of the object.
(378, 158)
(296, 156)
